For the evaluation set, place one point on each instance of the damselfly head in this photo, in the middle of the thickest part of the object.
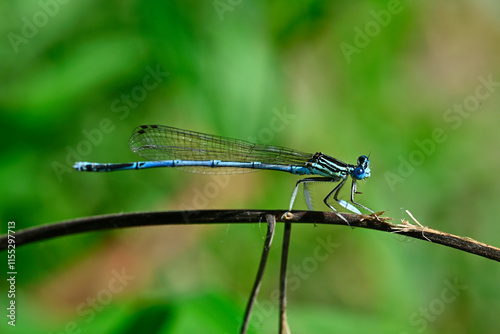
(363, 161)
(363, 169)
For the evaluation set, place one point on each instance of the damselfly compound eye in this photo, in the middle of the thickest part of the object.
(359, 173)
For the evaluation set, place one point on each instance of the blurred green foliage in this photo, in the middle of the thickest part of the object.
(405, 82)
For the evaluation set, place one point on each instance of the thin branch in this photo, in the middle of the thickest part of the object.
(271, 225)
(283, 324)
(123, 220)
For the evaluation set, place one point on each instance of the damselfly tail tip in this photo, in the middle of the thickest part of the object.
(78, 165)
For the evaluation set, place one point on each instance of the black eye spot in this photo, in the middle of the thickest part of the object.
(363, 161)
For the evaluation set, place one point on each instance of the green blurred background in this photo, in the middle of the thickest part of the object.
(406, 82)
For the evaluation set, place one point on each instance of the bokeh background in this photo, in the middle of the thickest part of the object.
(415, 84)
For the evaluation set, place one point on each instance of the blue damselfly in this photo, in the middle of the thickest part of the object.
(197, 152)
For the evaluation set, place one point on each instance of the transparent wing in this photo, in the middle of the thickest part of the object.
(156, 142)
